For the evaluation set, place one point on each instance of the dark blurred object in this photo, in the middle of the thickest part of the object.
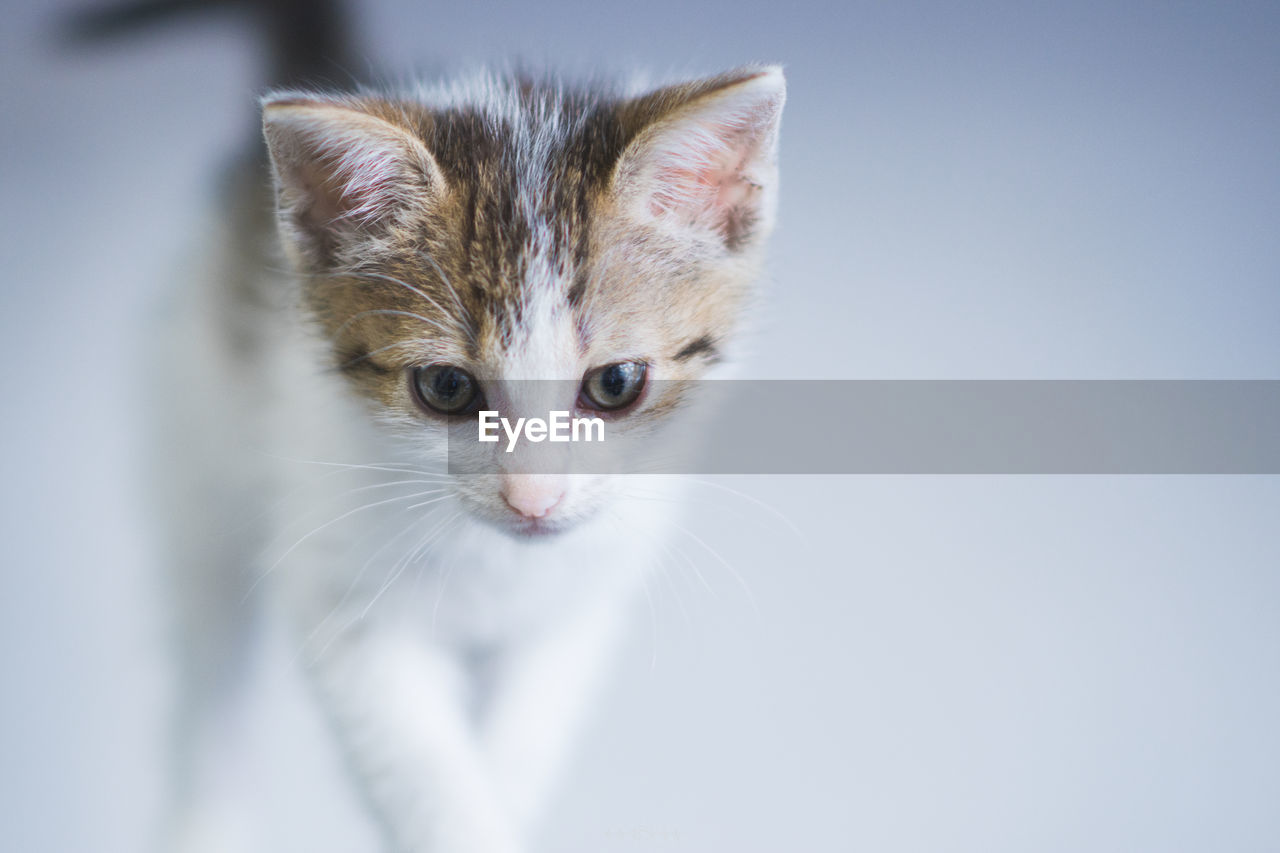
(310, 41)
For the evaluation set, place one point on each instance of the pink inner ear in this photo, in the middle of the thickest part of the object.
(714, 186)
(344, 167)
(702, 175)
(362, 182)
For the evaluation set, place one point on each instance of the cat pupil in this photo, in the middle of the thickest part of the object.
(615, 380)
(448, 384)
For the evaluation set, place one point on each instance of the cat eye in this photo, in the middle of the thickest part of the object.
(614, 386)
(445, 389)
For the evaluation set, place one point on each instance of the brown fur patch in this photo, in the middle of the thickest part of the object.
(446, 278)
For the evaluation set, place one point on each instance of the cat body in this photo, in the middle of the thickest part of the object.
(440, 249)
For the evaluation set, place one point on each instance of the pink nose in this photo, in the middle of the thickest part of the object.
(532, 495)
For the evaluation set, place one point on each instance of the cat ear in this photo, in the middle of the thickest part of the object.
(706, 156)
(341, 171)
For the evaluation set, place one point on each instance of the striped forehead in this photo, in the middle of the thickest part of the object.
(520, 283)
(545, 344)
(524, 228)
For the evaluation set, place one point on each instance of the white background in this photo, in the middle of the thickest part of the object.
(965, 663)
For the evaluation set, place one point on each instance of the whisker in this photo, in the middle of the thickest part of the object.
(418, 291)
(660, 543)
(354, 361)
(351, 587)
(404, 559)
(253, 587)
(665, 570)
(458, 321)
(713, 552)
(653, 624)
(369, 274)
(444, 582)
(754, 500)
(398, 483)
(432, 501)
(277, 502)
(359, 273)
(417, 553)
(693, 565)
(623, 527)
(453, 291)
(338, 496)
(386, 312)
(393, 467)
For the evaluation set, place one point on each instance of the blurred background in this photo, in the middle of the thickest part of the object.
(1083, 190)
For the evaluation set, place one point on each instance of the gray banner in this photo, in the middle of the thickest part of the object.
(904, 427)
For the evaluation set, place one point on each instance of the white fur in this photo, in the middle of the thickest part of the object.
(451, 658)
(388, 644)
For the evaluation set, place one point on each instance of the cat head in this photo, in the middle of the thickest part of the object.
(456, 244)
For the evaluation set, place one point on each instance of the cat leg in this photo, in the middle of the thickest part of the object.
(398, 707)
(539, 693)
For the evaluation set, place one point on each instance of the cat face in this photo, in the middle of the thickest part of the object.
(459, 248)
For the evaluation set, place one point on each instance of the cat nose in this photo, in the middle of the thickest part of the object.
(532, 495)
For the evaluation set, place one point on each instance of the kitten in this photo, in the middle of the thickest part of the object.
(435, 247)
